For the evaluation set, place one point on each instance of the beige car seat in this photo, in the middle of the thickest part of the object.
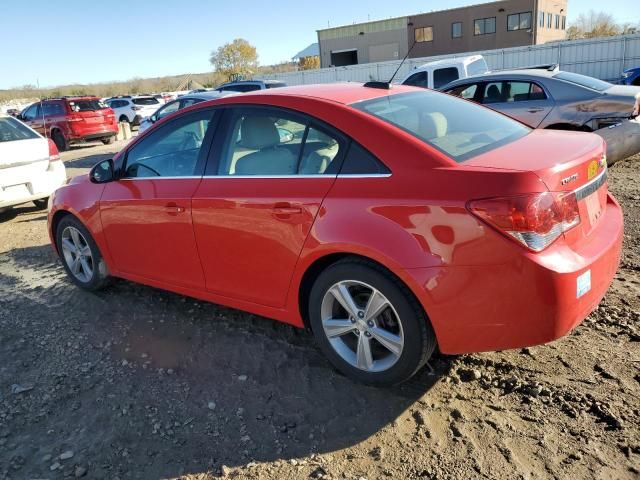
(261, 134)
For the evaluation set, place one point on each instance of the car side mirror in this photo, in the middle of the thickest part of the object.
(103, 172)
(153, 118)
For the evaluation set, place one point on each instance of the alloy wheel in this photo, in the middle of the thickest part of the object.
(77, 254)
(362, 326)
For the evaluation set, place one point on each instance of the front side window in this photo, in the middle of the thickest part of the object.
(424, 34)
(519, 21)
(457, 128)
(484, 26)
(11, 130)
(456, 30)
(468, 92)
(267, 142)
(442, 76)
(32, 112)
(420, 79)
(170, 151)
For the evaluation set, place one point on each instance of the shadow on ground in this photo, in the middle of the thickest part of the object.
(135, 379)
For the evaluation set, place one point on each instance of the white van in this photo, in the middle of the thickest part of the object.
(439, 73)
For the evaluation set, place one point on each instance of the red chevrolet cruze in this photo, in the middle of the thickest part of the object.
(387, 221)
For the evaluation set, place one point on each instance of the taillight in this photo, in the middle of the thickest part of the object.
(535, 220)
(54, 155)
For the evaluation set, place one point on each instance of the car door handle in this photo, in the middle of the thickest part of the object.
(535, 109)
(285, 208)
(173, 208)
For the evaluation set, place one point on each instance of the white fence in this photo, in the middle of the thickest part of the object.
(603, 58)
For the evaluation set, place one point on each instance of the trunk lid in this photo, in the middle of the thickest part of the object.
(564, 162)
(22, 159)
(90, 111)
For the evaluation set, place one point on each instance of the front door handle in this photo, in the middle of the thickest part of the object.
(534, 110)
(173, 208)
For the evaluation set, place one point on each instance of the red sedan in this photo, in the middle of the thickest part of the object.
(386, 221)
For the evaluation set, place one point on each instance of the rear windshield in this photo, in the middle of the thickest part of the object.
(12, 130)
(86, 105)
(275, 84)
(456, 127)
(146, 101)
(583, 81)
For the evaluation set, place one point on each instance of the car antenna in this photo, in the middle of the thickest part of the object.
(387, 85)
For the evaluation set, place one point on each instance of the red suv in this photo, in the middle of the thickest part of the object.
(70, 120)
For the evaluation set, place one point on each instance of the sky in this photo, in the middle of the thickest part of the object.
(88, 41)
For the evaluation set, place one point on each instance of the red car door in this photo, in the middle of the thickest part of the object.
(266, 179)
(146, 214)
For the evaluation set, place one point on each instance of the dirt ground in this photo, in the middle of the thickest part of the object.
(139, 383)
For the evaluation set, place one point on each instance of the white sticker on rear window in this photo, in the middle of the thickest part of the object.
(583, 284)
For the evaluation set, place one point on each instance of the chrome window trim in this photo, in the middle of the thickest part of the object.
(344, 175)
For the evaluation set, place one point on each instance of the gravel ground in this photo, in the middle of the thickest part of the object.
(136, 383)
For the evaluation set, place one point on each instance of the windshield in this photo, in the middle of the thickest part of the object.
(86, 105)
(456, 127)
(146, 101)
(583, 81)
(11, 130)
(477, 67)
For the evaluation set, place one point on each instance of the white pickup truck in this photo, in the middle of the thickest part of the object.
(437, 74)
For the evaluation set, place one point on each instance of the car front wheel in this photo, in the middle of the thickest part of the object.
(80, 255)
(368, 323)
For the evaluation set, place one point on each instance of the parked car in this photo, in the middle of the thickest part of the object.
(441, 72)
(388, 221)
(250, 85)
(631, 77)
(180, 103)
(30, 167)
(70, 120)
(544, 98)
(133, 109)
(14, 112)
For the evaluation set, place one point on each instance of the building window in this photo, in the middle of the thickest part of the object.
(541, 19)
(564, 22)
(456, 30)
(484, 26)
(424, 34)
(549, 18)
(519, 21)
(557, 22)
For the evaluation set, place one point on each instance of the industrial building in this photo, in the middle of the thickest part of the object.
(485, 26)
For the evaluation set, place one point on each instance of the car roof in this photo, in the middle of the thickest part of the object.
(345, 93)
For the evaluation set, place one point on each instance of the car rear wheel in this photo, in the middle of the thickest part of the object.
(123, 119)
(41, 203)
(108, 140)
(80, 255)
(368, 324)
(59, 140)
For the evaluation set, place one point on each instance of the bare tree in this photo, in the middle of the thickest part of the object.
(593, 24)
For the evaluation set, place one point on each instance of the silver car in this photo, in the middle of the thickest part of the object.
(550, 98)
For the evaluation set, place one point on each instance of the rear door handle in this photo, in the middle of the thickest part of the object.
(535, 110)
(285, 208)
(173, 208)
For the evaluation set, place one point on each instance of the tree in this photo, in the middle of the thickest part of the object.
(594, 24)
(236, 58)
(309, 63)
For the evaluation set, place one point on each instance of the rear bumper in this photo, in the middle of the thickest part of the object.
(40, 186)
(94, 133)
(532, 300)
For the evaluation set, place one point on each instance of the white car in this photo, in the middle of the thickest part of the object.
(133, 109)
(182, 102)
(439, 73)
(30, 167)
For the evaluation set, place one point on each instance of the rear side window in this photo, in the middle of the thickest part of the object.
(419, 79)
(145, 101)
(275, 85)
(477, 67)
(442, 76)
(468, 92)
(86, 105)
(12, 130)
(457, 128)
(53, 109)
(583, 81)
(360, 162)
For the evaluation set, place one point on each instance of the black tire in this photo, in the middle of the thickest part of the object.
(123, 119)
(61, 143)
(41, 203)
(100, 277)
(109, 140)
(419, 337)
